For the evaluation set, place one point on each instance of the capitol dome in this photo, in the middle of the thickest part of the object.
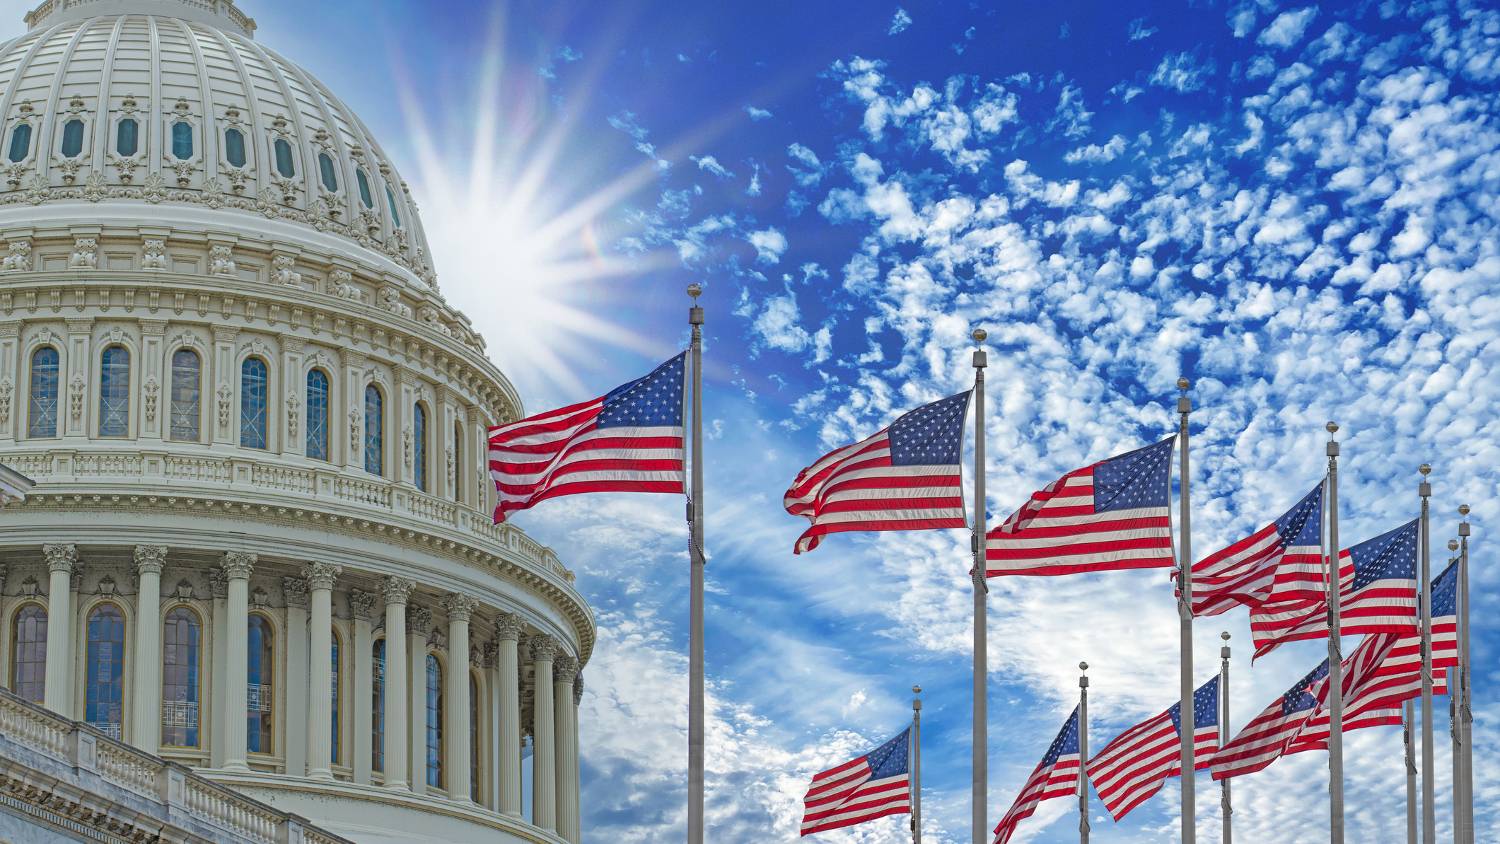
(257, 432)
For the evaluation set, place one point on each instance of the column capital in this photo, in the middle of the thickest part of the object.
(60, 557)
(489, 654)
(509, 626)
(295, 591)
(578, 688)
(218, 584)
(418, 621)
(321, 575)
(150, 559)
(460, 607)
(565, 669)
(362, 604)
(544, 647)
(238, 565)
(396, 590)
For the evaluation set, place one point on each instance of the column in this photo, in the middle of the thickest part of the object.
(361, 609)
(352, 450)
(294, 589)
(563, 674)
(60, 562)
(237, 568)
(75, 380)
(145, 730)
(224, 428)
(320, 578)
(508, 693)
(576, 817)
(544, 752)
(218, 679)
(491, 716)
(456, 711)
(403, 397)
(396, 592)
(292, 439)
(418, 626)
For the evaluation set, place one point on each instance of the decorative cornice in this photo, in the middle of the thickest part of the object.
(509, 626)
(238, 565)
(543, 648)
(60, 557)
(295, 590)
(362, 604)
(321, 575)
(150, 559)
(418, 621)
(396, 590)
(460, 607)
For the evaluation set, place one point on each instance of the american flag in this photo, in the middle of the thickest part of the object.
(1114, 514)
(906, 477)
(1132, 768)
(1379, 596)
(872, 786)
(1055, 776)
(1269, 734)
(1369, 697)
(629, 440)
(1244, 573)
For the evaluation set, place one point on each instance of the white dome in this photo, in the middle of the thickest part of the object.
(213, 119)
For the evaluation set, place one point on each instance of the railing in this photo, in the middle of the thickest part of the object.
(179, 713)
(258, 697)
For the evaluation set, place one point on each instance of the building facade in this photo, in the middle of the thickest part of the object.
(260, 541)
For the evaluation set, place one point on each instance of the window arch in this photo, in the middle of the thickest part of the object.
(182, 639)
(104, 670)
(377, 706)
(187, 396)
(284, 164)
(317, 414)
(473, 737)
(337, 699)
(364, 188)
(72, 138)
(127, 137)
(182, 140)
(28, 653)
(253, 390)
(326, 173)
(374, 430)
(20, 142)
(260, 691)
(234, 147)
(434, 721)
(41, 419)
(419, 432)
(114, 392)
(390, 199)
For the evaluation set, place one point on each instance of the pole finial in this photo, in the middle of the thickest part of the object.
(1083, 666)
(1331, 427)
(695, 290)
(1224, 635)
(980, 335)
(1425, 469)
(1183, 384)
(916, 690)
(1463, 510)
(1453, 545)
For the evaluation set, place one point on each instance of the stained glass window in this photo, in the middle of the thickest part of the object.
(260, 692)
(28, 660)
(186, 396)
(104, 670)
(114, 392)
(42, 419)
(317, 414)
(374, 431)
(181, 640)
(253, 403)
(434, 722)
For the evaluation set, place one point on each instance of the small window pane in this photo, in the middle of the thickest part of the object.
(186, 396)
(364, 189)
(72, 140)
(325, 171)
(42, 419)
(317, 415)
(234, 147)
(180, 687)
(434, 722)
(253, 403)
(377, 707)
(374, 431)
(20, 142)
(104, 670)
(127, 137)
(419, 414)
(284, 159)
(182, 140)
(114, 392)
(260, 691)
(28, 661)
(390, 199)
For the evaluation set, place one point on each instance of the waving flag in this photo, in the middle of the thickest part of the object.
(1055, 776)
(1267, 736)
(872, 786)
(1379, 597)
(1114, 514)
(629, 440)
(906, 477)
(1243, 574)
(1131, 769)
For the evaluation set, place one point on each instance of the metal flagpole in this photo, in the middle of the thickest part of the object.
(1429, 805)
(981, 590)
(1083, 754)
(1225, 812)
(916, 765)
(1455, 732)
(696, 563)
(1185, 614)
(1411, 774)
(1465, 820)
(1335, 651)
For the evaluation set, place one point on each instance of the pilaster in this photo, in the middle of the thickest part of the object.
(362, 611)
(145, 731)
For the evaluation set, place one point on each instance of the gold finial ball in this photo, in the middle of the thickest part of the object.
(1463, 510)
(1183, 384)
(1425, 469)
(1224, 635)
(1331, 427)
(695, 290)
(1453, 545)
(1083, 666)
(980, 335)
(916, 690)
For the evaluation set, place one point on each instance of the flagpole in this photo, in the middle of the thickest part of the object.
(1225, 811)
(1455, 732)
(1429, 805)
(696, 564)
(916, 765)
(1411, 774)
(1185, 614)
(1465, 821)
(1335, 651)
(1083, 754)
(981, 589)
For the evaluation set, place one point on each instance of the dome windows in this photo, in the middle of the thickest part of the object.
(419, 466)
(182, 140)
(317, 414)
(20, 143)
(28, 654)
(114, 392)
(104, 694)
(180, 686)
(327, 174)
(253, 381)
(390, 199)
(42, 418)
(128, 137)
(186, 399)
(284, 164)
(364, 188)
(72, 138)
(374, 430)
(234, 147)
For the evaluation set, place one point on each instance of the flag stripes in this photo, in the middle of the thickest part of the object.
(1132, 768)
(1055, 776)
(1246, 572)
(865, 788)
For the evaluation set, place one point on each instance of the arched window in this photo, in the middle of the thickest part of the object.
(234, 147)
(284, 164)
(326, 173)
(181, 638)
(419, 428)
(114, 392)
(42, 419)
(253, 403)
(187, 391)
(458, 461)
(20, 142)
(182, 140)
(390, 199)
(374, 430)
(72, 140)
(364, 188)
(434, 721)
(127, 137)
(377, 706)
(473, 738)
(260, 691)
(28, 653)
(317, 414)
(104, 670)
(337, 699)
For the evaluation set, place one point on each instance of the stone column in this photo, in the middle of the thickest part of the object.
(544, 752)
(145, 730)
(237, 568)
(418, 626)
(361, 609)
(563, 673)
(575, 782)
(60, 562)
(396, 592)
(456, 711)
(508, 693)
(294, 589)
(491, 716)
(218, 675)
(320, 578)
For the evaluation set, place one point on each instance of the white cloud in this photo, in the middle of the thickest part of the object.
(1182, 72)
(1139, 31)
(757, 114)
(769, 245)
(899, 22)
(1287, 28)
(711, 165)
(1097, 153)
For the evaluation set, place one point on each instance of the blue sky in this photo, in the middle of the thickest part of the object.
(1297, 206)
